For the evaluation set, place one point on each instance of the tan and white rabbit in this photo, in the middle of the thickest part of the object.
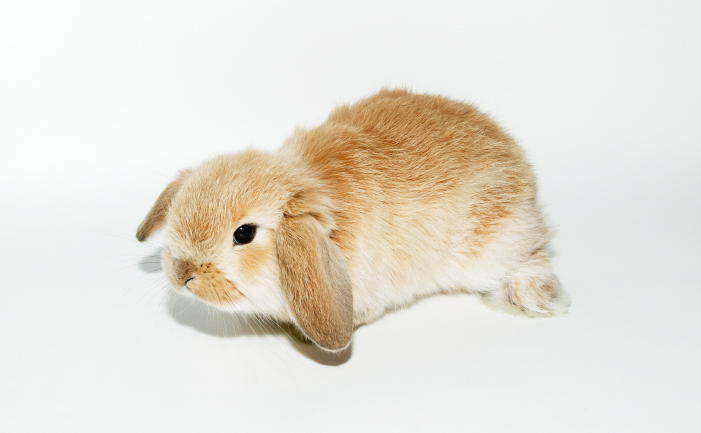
(394, 198)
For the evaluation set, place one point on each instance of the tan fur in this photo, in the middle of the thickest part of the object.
(316, 283)
(157, 216)
(255, 258)
(393, 198)
(204, 280)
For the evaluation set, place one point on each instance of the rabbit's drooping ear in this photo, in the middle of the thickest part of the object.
(157, 215)
(315, 280)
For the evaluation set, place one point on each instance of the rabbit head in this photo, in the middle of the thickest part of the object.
(251, 233)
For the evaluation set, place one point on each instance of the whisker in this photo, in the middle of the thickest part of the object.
(139, 256)
(249, 325)
(138, 279)
(148, 288)
(163, 286)
(264, 324)
(129, 238)
(156, 292)
(145, 283)
(135, 264)
(188, 306)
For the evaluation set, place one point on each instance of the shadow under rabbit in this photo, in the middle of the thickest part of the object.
(208, 320)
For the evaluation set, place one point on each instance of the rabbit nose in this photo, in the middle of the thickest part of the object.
(188, 280)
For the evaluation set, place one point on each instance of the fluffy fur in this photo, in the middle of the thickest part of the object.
(396, 197)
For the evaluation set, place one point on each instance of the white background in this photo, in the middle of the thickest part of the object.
(101, 103)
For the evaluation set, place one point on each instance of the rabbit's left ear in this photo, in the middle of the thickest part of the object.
(157, 215)
(314, 277)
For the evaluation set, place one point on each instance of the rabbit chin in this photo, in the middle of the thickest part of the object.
(261, 294)
(261, 303)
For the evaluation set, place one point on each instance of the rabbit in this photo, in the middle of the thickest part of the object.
(394, 198)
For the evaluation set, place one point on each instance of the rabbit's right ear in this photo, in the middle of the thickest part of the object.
(157, 215)
(315, 281)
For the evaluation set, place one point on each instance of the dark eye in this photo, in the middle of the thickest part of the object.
(244, 234)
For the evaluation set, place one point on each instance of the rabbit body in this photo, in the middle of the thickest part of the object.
(394, 198)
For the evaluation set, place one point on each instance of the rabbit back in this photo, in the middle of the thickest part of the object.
(431, 195)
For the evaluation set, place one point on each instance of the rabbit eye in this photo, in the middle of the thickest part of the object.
(244, 234)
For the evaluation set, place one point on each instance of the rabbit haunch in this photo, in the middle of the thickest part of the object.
(396, 197)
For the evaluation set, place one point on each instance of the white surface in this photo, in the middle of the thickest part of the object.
(102, 102)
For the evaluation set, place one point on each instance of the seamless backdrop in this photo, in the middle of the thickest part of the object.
(101, 103)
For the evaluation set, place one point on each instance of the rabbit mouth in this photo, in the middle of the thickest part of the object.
(212, 288)
(202, 280)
